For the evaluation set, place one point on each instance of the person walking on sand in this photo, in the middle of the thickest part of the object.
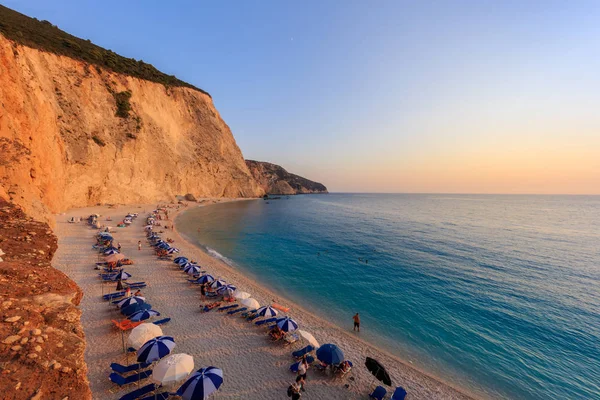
(139, 245)
(356, 319)
(302, 368)
(119, 247)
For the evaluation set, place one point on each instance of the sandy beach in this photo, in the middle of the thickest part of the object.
(253, 366)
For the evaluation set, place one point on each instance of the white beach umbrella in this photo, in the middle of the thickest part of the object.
(241, 295)
(309, 338)
(250, 303)
(173, 368)
(142, 333)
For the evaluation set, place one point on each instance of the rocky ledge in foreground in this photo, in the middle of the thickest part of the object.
(276, 180)
(41, 339)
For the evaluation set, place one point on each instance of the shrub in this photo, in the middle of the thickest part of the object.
(123, 105)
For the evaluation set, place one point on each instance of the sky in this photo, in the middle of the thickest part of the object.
(386, 96)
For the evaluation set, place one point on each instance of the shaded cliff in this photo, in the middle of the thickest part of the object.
(276, 180)
(41, 339)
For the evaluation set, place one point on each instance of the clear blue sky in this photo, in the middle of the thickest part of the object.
(389, 96)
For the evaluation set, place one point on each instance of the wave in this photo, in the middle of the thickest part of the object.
(215, 254)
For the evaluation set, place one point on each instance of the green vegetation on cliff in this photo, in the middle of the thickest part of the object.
(44, 36)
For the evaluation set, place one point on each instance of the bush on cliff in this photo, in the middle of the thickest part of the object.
(123, 105)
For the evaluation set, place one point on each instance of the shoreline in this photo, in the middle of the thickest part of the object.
(230, 336)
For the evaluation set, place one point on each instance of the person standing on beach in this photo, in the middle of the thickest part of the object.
(356, 319)
(302, 368)
(119, 247)
(139, 244)
(203, 291)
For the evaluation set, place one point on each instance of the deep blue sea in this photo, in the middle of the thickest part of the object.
(497, 293)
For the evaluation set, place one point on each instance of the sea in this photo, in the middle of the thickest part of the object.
(498, 294)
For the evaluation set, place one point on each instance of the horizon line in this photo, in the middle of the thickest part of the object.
(468, 193)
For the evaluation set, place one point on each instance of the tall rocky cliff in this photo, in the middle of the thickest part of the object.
(276, 180)
(63, 145)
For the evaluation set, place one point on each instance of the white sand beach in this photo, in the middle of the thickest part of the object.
(253, 366)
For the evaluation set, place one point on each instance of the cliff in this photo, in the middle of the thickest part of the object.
(276, 180)
(41, 339)
(74, 134)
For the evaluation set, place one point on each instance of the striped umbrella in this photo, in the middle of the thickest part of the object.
(120, 276)
(330, 354)
(287, 324)
(206, 278)
(173, 250)
(187, 264)
(177, 260)
(111, 251)
(201, 384)
(155, 349)
(143, 315)
(224, 288)
(217, 284)
(131, 300)
(163, 245)
(266, 311)
(192, 269)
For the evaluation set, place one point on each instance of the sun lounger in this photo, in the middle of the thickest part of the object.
(136, 394)
(110, 296)
(136, 285)
(300, 353)
(280, 307)
(237, 310)
(290, 339)
(227, 307)
(339, 372)
(399, 394)
(124, 369)
(121, 381)
(294, 366)
(320, 367)
(379, 393)
(126, 324)
(210, 306)
(252, 317)
(265, 321)
(162, 321)
(159, 396)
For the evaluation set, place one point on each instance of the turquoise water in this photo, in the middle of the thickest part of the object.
(498, 294)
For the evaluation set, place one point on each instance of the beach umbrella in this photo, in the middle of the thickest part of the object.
(142, 333)
(163, 245)
(309, 338)
(177, 260)
(121, 275)
(114, 257)
(224, 288)
(143, 315)
(201, 384)
(192, 269)
(377, 370)
(111, 251)
(155, 349)
(287, 324)
(242, 295)
(250, 303)
(148, 227)
(266, 311)
(206, 278)
(217, 284)
(172, 368)
(187, 264)
(131, 300)
(173, 250)
(330, 354)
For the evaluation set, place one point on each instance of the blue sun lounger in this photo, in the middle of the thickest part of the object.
(300, 353)
(114, 295)
(294, 366)
(236, 310)
(136, 285)
(122, 381)
(159, 396)
(136, 394)
(229, 307)
(379, 393)
(265, 321)
(162, 321)
(399, 394)
(124, 369)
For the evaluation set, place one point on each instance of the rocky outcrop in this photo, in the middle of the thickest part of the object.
(73, 134)
(276, 180)
(41, 339)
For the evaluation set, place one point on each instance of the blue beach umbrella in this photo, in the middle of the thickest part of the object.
(155, 349)
(163, 245)
(143, 315)
(330, 354)
(185, 265)
(131, 300)
(266, 311)
(192, 270)
(111, 251)
(173, 250)
(177, 260)
(182, 261)
(120, 276)
(206, 278)
(201, 384)
(217, 284)
(287, 324)
(222, 289)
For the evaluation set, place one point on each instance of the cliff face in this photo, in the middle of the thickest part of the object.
(275, 180)
(62, 145)
(41, 339)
